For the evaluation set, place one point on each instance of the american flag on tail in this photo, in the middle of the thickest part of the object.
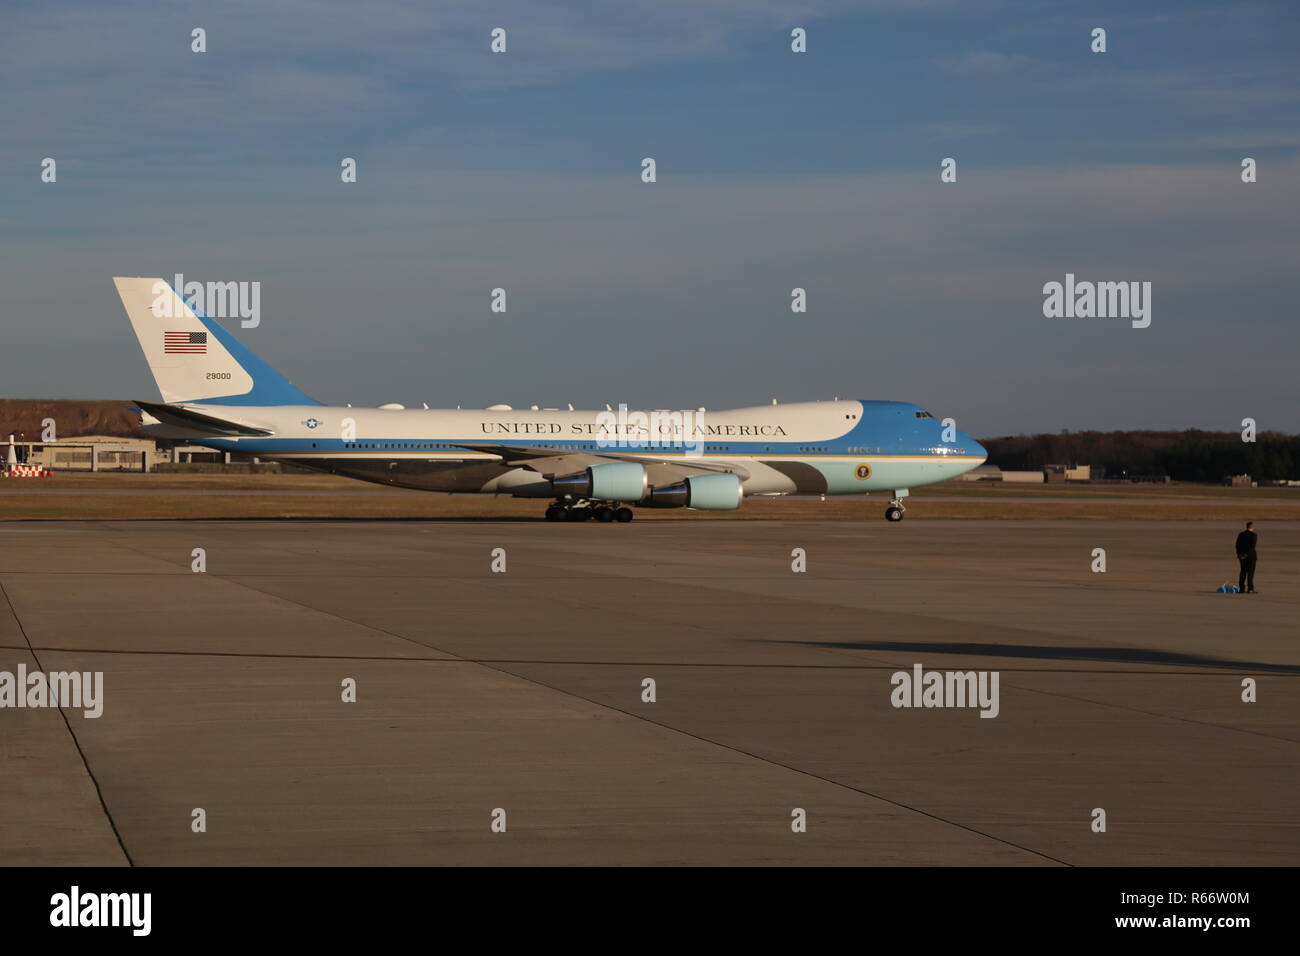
(185, 343)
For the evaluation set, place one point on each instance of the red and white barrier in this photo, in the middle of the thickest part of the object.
(27, 471)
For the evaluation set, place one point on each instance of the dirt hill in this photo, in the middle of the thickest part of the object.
(71, 417)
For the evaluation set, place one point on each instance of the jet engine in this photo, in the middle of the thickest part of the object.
(610, 481)
(701, 492)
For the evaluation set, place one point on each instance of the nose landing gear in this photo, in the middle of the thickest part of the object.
(895, 510)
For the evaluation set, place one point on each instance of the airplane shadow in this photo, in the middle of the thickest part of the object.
(1111, 655)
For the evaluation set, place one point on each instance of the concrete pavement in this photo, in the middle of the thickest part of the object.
(523, 691)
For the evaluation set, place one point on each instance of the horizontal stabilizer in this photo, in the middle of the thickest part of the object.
(180, 417)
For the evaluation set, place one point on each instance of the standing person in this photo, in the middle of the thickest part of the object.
(1246, 556)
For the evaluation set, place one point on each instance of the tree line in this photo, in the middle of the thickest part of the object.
(1191, 455)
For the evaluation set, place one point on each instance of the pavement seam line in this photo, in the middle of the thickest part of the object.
(85, 762)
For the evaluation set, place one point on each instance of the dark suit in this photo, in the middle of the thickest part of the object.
(1246, 557)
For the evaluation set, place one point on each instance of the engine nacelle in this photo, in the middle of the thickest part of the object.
(609, 481)
(701, 492)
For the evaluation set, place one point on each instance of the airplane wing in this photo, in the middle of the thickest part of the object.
(561, 461)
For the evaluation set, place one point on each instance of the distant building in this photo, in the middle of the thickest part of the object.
(94, 453)
(1050, 474)
(1241, 481)
(1023, 477)
(982, 473)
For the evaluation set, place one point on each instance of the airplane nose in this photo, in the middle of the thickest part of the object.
(975, 447)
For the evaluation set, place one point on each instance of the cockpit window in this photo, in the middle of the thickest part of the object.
(924, 415)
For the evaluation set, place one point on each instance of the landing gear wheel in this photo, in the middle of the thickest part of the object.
(554, 513)
(893, 514)
(577, 514)
(623, 515)
(604, 515)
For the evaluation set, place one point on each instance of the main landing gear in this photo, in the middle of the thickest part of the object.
(565, 509)
(895, 510)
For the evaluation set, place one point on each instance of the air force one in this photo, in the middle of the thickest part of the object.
(217, 393)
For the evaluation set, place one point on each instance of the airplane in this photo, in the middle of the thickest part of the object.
(590, 464)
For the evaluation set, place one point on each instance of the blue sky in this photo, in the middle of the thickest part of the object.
(776, 170)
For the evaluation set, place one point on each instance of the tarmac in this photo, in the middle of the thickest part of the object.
(522, 691)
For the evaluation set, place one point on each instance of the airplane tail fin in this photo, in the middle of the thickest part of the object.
(192, 357)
